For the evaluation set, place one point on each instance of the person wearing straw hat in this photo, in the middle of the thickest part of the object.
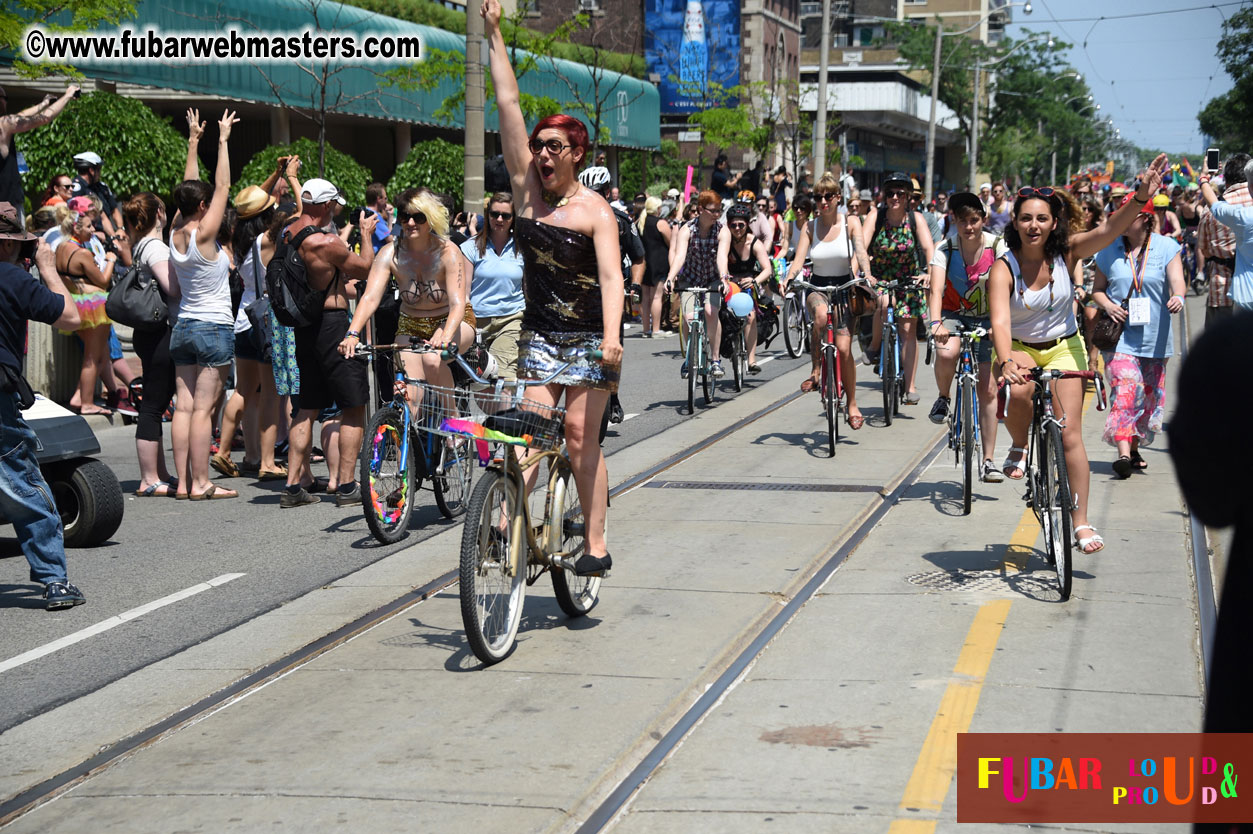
(25, 497)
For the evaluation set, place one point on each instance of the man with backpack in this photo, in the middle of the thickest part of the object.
(308, 283)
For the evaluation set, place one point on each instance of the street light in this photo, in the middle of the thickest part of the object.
(974, 123)
(935, 84)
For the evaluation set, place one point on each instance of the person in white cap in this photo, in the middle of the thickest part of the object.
(12, 124)
(87, 182)
(326, 377)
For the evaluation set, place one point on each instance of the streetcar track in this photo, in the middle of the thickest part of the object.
(53, 787)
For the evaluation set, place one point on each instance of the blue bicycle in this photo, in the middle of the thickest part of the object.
(963, 418)
(890, 373)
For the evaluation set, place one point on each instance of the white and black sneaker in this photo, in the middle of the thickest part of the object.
(939, 410)
(60, 595)
(990, 474)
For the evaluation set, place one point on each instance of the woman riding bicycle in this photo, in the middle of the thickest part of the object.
(572, 282)
(959, 296)
(1031, 295)
(749, 266)
(431, 273)
(898, 242)
(700, 258)
(831, 242)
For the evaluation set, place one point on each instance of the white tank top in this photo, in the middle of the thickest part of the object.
(830, 258)
(1030, 319)
(204, 284)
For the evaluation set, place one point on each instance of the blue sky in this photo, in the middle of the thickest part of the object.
(1152, 73)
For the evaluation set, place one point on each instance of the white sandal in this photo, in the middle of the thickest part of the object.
(1095, 538)
(1015, 462)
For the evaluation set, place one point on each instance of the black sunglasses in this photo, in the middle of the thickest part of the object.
(403, 217)
(553, 146)
(501, 215)
(739, 224)
(888, 195)
(1028, 191)
(825, 196)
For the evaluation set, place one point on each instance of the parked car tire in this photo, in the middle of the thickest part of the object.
(89, 499)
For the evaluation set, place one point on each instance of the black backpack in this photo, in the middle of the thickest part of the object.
(294, 302)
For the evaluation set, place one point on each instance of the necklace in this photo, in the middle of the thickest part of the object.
(1022, 295)
(557, 200)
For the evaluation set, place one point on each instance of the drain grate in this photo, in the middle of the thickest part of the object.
(979, 580)
(768, 486)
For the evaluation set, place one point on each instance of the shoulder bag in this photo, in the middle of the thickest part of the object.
(134, 301)
(258, 311)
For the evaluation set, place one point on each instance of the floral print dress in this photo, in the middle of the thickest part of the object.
(894, 258)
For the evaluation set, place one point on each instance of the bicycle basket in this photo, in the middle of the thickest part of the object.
(492, 416)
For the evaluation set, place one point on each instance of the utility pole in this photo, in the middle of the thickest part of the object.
(935, 98)
(974, 132)
(475, 130)
(820, 123)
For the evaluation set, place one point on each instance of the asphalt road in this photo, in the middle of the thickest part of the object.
(164, 547)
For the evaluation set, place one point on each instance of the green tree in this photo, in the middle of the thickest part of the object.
(1228, 118)
(141, 150)
(666, 169)
(348, 175)
(16, 16)
(435, 164)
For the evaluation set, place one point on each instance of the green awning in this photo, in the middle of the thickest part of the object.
(632, 113)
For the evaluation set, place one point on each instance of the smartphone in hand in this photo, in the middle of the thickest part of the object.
(1211, 160)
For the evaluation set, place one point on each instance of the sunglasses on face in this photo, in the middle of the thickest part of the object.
(711, 209)
(826, 197)
(403, 217)
(1028, 191)
(893, 195)
(501, 215)
(63, 185)
(761, 205)
(553, 146)
(738, 225)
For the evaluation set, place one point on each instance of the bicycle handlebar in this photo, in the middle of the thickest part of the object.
(829, 291)
(1042, 376)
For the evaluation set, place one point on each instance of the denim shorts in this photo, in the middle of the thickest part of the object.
(202, 343)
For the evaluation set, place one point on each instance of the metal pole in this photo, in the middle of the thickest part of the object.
(1053, 168)
(974, 132)
(820, 123)
(935, 96)
(475, 132)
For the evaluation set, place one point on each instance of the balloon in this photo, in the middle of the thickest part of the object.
(741, 304)
(732, 289)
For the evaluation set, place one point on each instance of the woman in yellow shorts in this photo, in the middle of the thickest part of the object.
(1031, 297)
(434, 294)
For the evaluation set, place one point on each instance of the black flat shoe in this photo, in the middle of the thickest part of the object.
(589, 565)
(1122, 467)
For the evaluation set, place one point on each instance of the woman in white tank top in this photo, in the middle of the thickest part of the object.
(832, 242)
(1031, 297)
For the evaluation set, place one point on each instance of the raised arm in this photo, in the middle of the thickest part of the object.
(195, 129)
(1086, 244)
(207, 233)
(513, 135)
(337, 254)
(37, 115)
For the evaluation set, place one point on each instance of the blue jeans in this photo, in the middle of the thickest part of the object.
(202, 343)
(26, 499)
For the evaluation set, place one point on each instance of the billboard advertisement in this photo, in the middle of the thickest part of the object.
(692, 48)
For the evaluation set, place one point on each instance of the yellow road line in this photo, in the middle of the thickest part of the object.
(1021, 544)
(937, 761)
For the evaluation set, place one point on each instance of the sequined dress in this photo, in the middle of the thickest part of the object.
(561, 285)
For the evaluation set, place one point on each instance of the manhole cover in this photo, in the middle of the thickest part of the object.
(981, 580)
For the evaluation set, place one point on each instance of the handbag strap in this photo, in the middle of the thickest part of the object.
(256, 266)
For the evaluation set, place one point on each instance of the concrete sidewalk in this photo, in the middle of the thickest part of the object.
(835, 728)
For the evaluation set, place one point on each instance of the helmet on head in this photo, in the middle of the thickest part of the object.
(1161, 201)
(596, 177)
(745, 196)
(899, 179)
(739, 211)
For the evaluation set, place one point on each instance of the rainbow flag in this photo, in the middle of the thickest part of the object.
(1186, 169)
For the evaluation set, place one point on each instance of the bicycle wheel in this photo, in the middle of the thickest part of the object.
(575, 594)
(1055, 514)
(887, 359)
(830, 400)
(793, 325)
(493, 568)
(453, 475)
(966, 403)
(693, 368)
(707, 377)
(737, 360)
(387, 481)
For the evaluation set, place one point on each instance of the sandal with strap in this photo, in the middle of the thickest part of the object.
(1084, 543)
(1015, 461)
(1138, 462)
(1122, 467)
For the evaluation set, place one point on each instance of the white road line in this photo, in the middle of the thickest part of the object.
(112, 622)
(626, 417)
(763, 360)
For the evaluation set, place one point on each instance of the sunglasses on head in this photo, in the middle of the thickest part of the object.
(1028, 191)
(501, 215)
(553, 146)
(403, 217)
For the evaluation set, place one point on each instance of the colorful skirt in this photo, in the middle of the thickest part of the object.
(283, 362)
(540, 355)
(1137, 398)
(90, 306)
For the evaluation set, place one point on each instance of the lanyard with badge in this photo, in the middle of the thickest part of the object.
(1138, 302)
